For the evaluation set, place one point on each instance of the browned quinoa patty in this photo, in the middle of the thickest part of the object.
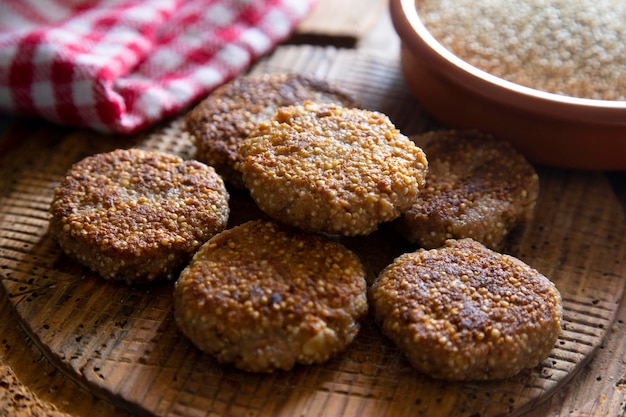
(222, 120)
(135, 215)
(477, 186)
(327, 168)
(465, 312)
(265, 297)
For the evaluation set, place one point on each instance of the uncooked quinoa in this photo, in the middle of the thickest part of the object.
(575, 48)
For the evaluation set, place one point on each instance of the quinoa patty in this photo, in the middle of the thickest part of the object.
(135, 215)
(465, 312)
(477, 186)
(327, 168)
(265, 297)
(225, 118)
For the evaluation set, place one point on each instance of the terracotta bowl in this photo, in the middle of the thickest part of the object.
(549, 129)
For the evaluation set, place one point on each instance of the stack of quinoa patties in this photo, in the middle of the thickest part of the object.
(282, 290)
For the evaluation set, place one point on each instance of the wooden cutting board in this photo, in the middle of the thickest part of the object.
(121, 342)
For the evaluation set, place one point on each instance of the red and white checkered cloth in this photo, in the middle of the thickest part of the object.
(122, 65)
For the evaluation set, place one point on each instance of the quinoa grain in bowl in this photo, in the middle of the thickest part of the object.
(547, 127)
(573, 48)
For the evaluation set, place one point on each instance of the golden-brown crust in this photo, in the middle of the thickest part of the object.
(137, 215)
(465, 312)
(225, 118)
(265, 297)
(327, 168)
(477, 186)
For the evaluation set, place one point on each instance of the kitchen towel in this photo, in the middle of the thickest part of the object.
(120, 66)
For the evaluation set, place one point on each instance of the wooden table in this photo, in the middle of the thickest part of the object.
(32, 384)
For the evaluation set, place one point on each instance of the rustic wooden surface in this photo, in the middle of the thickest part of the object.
(598, 389)
(120, 342)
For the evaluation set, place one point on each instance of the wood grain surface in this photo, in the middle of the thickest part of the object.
(120, 342)
(340, 23)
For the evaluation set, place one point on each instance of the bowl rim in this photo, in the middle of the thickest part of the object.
(414, 34)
